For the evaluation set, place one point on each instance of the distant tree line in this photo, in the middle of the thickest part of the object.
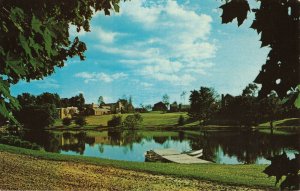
(40, 111)
(245, 110)
(75, 101)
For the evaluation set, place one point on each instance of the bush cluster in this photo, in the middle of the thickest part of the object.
(66, 121)
(181, 120)
(16, 141)
(115, 121)
(132, 121)
(80, 121)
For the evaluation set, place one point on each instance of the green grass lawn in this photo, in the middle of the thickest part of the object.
(282, 127)
(247, 175)
(159, 120)
(151, 119)
(283, 123)
(144, 134)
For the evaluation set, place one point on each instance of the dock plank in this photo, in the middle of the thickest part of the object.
(165, 152)
(174, 155)
(184, 159)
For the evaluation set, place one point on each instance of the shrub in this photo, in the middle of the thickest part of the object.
(132, 121)
(16, 141)
(36, 116)
(80, 121)
(115, 121)
(181, 120)
(66, 121)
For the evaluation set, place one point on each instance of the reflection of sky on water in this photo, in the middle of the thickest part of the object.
(220, 147)
(135, 153)
(290, 154)
(222, 158)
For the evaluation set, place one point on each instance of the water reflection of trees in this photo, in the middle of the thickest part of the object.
(76, 142)
(125, 138)
(55, 142)
(160, 139)
(50, 141)
(246, 146)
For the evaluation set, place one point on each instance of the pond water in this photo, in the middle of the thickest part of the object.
(222, 147)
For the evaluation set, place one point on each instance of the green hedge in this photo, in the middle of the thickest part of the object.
(16, 141)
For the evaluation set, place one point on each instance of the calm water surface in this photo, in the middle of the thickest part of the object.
(218, 146)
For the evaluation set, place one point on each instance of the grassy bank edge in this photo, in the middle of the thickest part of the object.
(238, 175)
(169, 121)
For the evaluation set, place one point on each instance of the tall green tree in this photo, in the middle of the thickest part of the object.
(166, 100)
(101, 100)
(243, 109)
(270, 108)
(127, 105)
(130, 100)
(250, 90)
(64, 102)
(203, 104)
(77, 101)
(26, 99)
(51, 98)
(36, 117)
(182, 96)
(133, 121)
(35, 39)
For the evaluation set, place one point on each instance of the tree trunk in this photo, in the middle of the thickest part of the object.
(271, 126)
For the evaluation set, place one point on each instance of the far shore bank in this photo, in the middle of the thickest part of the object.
(169, 122)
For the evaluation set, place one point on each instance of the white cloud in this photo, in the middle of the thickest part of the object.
(164, 66)
(169, 16)
(103, 77)
(108, 99)
(175, 79)
(105, 36)
(130, 51)
(177, 45)
(139, 13)
(146, 84)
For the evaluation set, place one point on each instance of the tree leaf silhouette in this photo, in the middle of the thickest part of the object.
(235, 9)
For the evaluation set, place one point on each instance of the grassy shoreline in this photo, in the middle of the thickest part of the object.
(239, 175)
(169, 122)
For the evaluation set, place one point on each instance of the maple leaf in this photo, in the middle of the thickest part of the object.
(235, 9)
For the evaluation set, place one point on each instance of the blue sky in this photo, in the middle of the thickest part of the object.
(157, 47)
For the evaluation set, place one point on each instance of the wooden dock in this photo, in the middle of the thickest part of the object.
(172, 155)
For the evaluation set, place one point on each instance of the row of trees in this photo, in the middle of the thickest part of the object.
(41, 111)
(75, 101)
(246, 109)
(51, 98)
